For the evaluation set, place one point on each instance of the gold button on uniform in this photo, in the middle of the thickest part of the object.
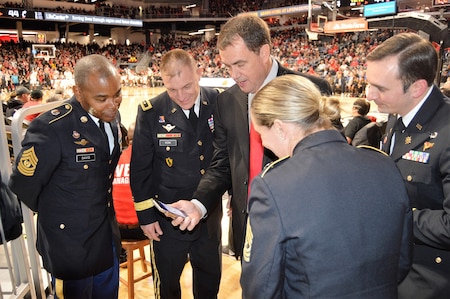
(109, 190)
(202, 171)
(202, 157)
(409, 178)
(438, 260)
(62, 226)
(167, 148)
(200, 143)
(109, 204)
(85, 166)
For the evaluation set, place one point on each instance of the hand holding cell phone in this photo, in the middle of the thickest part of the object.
(168, 211)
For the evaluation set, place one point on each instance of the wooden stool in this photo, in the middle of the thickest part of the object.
(130, 246)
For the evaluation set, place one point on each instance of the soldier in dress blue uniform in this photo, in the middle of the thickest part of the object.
(64, 172)
(328, 220)
(401, 73)
(172, 147)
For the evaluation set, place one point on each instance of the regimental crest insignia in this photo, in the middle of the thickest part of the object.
(28, 162)
(169, 162)
(408, 140)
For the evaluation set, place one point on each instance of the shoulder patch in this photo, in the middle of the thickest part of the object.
(60, 112)
(273, 164)
(146, 105)
(372, 148)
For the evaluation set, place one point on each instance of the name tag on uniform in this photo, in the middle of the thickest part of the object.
(168, 142)
(85, 158)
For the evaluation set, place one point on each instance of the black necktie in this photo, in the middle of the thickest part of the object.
(399, 129)
(101, 125)
(193, 117)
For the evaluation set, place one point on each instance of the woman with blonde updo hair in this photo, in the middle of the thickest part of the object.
(319, 224)
(301, 105)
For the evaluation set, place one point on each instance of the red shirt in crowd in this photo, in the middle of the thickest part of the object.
(123, 200)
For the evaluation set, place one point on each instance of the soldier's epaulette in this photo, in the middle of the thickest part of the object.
(60, 112)
(272, 165)
(146, 105)
(372, 148)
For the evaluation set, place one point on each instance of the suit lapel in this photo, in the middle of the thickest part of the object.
(241, 117)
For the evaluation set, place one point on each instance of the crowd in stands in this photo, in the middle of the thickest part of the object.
(339, 59)
(217, 8)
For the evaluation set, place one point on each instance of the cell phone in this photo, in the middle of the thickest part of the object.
(168, 211)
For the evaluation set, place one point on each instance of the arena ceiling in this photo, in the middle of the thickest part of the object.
(164, 25)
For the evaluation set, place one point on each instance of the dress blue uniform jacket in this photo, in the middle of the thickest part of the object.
(424, 163)
(64, 172)
(230, 165)
(169, 157)
(332, 221)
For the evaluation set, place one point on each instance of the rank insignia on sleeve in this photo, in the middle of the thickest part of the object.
(169, 162)
(246, 254)
(28, 162)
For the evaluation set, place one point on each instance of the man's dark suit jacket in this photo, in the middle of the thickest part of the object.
(230, 164)
(424, 162)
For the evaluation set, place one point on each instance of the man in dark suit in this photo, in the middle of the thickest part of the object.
(169, 156)
(401, 73)
(64, 172)
(244, 45)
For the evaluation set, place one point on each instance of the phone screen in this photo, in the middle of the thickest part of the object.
(171, 209)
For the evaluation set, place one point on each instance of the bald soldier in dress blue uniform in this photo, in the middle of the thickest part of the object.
(169, 156)
(64, 172)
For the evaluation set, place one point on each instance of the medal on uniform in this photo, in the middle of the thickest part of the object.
(427, 145)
